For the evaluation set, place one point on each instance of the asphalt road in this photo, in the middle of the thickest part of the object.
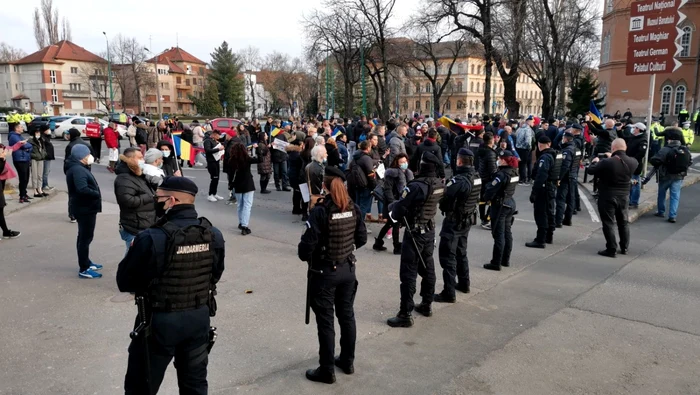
(560, 320)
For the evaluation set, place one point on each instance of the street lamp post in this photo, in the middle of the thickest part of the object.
(109, 73)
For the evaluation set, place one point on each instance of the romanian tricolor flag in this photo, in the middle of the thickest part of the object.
(452, 125)
(595, 114)
(274, 132)
(505, 113)
(183, 149)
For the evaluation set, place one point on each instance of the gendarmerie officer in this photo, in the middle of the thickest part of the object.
(458, 204)
(579, 150)
(565, 199)
(500, 193)
(487, 157)
(334, 230)
(543, 193)
(416, 209)
(175, 264)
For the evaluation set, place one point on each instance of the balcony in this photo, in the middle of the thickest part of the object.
(76, 94)
(183, 87)
(183, 100)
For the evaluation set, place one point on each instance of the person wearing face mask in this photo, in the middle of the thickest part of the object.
(179, 300)
(170, 164)
(314, 172)
(38, 155)
(499, 193)
(153, 169)
(395, 179)
(134, 193)
(85, 202)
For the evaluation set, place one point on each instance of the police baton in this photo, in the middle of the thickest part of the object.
(415, 245)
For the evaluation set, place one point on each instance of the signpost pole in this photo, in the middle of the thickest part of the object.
(652, 83)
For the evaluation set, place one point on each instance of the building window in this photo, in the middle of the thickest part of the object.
(460, 69)
(14, 68)
(178, 80)
(602, 92)
(472, 70)
(179, 94)
(685, 41)
(679, 103)
(54, 95)
(427, 87)
(478, 69)
(471, 85)
(405, 89)
(417, 87)
(460, 105)
(608, 6)
(405, 105)
(52, 74)
(16, 87)
(448, 105)
(605, 55)
(427, 105)
(471, 104)
(74, 87)
(666, 92)
(459, 86)
(417, 104)
(478, 86)
(74, 70)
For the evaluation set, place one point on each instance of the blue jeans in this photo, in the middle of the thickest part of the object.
(674, 187)
(127, 237)
(245, 204)
(363, 198)
(636, 190)
(45, 176)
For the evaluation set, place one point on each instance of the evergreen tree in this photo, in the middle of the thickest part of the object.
(225, 71)
(581, 95)
(210, 103)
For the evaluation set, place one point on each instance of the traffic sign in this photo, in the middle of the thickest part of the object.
(43, 103)
(653, 32)
(225, 104)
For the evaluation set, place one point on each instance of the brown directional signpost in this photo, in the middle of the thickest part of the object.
(652, 43)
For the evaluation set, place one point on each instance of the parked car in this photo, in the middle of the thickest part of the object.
(79, 123)
(225, 125)
(5, 127)
(37, 123)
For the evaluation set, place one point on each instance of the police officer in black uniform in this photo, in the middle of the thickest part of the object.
(458, 205)
(500, 193)
(487, 158)
(579, 150)
(543, 193)
(334, 230)
(565, 199)
(416, 209)
(175, 264)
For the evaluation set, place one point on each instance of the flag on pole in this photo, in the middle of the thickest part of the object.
(183, 149)
(275, 132)
(452, 125)
(594, 113)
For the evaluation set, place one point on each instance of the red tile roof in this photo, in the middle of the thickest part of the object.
(176, 54)
(62, 50)
(173, 67)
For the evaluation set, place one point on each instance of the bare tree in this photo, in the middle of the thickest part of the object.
(46, 27)
(9, 53)
(342, 40)
(250, 61)
(95, 77)
(130, 70)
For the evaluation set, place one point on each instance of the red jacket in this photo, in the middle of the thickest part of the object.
(92, 129)
(111, 137)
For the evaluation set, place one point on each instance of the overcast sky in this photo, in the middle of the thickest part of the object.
(201, 25)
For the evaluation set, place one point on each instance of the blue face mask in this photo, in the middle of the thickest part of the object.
(325, 161)
(403, 166)
(165, 154)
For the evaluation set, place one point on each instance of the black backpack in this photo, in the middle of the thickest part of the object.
(141, 136)
(678, 160)
(356, 177)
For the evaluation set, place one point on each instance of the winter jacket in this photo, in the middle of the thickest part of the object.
(265, 164)
(487, 163)
(137, 210)
(614, 174)
(131, 134)
(141, 136)
(524, 137)
(48, 145)
(366, 163)
(343, 152)
(604, 139)
(38, 151)
(637, 148)
(74, 139)
(210, 150)
(170, 165)
(333, 155)
(111, 137)
(660, 159)
(23, 154)
(395, 181)
(314, 176)
(241, 177)
(296, 165)
(396, 146)
(427, 146)
(154, 136)
(83, 192)
(444, 139)
(277, 155)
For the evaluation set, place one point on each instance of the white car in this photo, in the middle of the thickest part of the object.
(79, 123)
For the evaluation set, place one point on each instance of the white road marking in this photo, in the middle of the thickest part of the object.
(589, 206)
(525, 220)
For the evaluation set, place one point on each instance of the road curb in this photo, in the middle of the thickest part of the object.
(15, 207)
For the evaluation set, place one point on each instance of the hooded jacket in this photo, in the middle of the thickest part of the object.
(170, 163)
(396, 146)
(23, 154)
(84, 193)
(395, 181)
(137, 209)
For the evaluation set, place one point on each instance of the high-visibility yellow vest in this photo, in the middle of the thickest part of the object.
(655, 129)
(688, 136)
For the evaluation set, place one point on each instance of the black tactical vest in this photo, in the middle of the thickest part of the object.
(473, 198)
(556, 168)
(341, 232)
(509, 190)
(186, 281)
(576, 163)
(435, 192)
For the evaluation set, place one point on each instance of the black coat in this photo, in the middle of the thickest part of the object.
(48, 146)
(296, 165)
(614, 174)
(487, 163)
(242, 177)
(137, 209)
(333, 155)
(84, 193)
(637, 148)
(433, 148)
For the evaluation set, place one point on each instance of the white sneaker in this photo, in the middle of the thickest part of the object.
(211, 198)
(218, 197)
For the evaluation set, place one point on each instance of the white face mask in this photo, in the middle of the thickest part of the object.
(166, 154)
(90, 160)
(141, 164)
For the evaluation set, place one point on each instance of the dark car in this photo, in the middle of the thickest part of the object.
(37, 123)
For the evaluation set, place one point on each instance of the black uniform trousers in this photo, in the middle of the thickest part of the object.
(23, 172)
(565, 202)
(501, 223)
(411, 267)
(214, 169)
(453, 256)
(573, 184)
(183, 335)
(334, 288)
(545, 211)
(96, 144)
(615, 209)
(483, 207)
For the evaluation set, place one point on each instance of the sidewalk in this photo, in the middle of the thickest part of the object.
(12, 198)
(647, 200)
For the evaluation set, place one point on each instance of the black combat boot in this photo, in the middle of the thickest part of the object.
(549, 239)
(443, 298)
(567, 222)
(402, 320)
(464, 288)
(397, 249)
(491, 266)
(534, 244)
(320, 376)
(425, 309)
(345, 367)
(378, 245)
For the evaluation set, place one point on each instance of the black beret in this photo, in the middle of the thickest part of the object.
(544, 140)
(179, 184)
(577, 126)
(430, 159)
(505, 154)
(465, 152)
(334, 172)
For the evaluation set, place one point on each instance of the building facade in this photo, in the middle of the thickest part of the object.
(256, 98)
(62, 78)
(672, 91)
